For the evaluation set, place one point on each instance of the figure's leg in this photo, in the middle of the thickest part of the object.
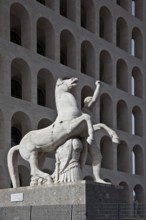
(96, 156)
(84, 153)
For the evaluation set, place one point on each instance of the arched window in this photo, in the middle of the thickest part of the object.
(137, 8)
(16, 136)
(122, 116)
(137, 43)
(122, 157)
(122, 34)
(125, 195)
(137, 82)
(41, 96)
(123, 3)
(48, 3)
(106, 110)
(88, 15)
(87, 58)
(138, 194)
(45, 38)
(43, 123)
(122, 75)
(106, 24)
(107, 152)
(67, 9)
(137, 121)
(20, 79)
(45, 89)
(19, 25)
(16, 88)
(20, 125)
(67, 49)
(106, 67)
(137, 160)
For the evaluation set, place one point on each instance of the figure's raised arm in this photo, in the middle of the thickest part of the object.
(89, 101)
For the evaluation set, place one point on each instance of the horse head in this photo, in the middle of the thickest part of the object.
(66, 84)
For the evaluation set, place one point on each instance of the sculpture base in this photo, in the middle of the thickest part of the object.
(78, 201)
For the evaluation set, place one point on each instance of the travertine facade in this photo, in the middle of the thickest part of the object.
(89, 39)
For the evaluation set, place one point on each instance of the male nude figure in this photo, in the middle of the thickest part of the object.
(94, 151)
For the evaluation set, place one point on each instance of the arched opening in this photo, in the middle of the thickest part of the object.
(67, 9)
(48, 3)
(88, 15)
(45, 88)
(20, 79)
(122, 34)
(45, 38)
(16, 135)
(138, 194)
(123, 3)
(137, 43)
(137, 82)
(20, 125)
(137, 8)
(122, 75)
(137, 160)
(122, 157)
(19, 25)
(125, 194)
(106, 149)
(137, 121)
(122, 116)
(106, 67)
(106, 24)
(106, 110)
(43, 123)
(87, 58)
(67, 49)
(16, 88)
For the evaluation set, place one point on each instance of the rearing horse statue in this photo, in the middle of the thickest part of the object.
(70, 122)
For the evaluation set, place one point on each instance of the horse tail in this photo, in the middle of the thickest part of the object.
(111, 132)
(12, 158)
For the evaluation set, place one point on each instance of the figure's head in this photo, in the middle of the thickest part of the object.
(67, 84)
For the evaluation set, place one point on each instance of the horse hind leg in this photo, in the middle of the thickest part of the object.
(37, 176)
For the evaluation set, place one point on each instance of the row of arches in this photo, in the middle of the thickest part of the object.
(133, 6)
(45, 86)
(124, 122)
(21, 83)
(124, 156)
(45, 35)
(21, 74)
(137, 192)
(21, 124)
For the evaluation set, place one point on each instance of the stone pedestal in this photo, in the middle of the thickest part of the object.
(71, 201)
